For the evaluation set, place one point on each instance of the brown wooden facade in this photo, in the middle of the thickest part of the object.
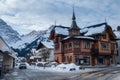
(97, 49)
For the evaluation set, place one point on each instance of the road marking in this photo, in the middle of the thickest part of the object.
(100, 74)
(84, 74)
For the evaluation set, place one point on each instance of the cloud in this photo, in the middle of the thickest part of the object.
(27, 15)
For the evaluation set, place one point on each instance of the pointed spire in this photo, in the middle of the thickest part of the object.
(105, 21)
(74, 24)
(74, 29)
(73, 17)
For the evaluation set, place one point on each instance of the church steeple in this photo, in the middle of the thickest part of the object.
(74, 24)
(73, 17)
(74, 29)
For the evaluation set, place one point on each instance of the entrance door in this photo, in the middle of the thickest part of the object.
(101, 60)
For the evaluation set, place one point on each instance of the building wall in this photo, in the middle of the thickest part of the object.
(51, 58)
(105, 50)
(118, 51)
(58, 58)
(8, 55)
(40, 51)
(8, 62)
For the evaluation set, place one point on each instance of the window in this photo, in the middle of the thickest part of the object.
(104, 36)
(70, 44)
(104, 46)
(112, 46)
(77, 44)
(57, 47)
(87, 44)
(69, 59)
(86, 60)
(65, 46)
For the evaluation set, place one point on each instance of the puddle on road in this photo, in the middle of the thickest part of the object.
(15, 73)
(20, 78)
(115, 72)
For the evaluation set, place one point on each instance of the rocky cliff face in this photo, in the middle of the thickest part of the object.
(7, 33)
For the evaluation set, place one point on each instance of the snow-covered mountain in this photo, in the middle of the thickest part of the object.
(8, 34)
(31, 41)
(25, 43)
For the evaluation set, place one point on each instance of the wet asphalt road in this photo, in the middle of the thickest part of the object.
(27, 74)
(109, 73)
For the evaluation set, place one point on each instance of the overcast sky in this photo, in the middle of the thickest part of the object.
(27, 15)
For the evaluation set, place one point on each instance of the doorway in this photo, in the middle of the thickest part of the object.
(101, 60)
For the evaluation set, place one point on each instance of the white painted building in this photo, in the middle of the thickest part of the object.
(43, 47)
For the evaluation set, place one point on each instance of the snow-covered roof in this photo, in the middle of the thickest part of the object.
(117, 33)
(32, 57)
(48, 44)
(79, 37)
(61, 30)
(95, 29)
(90, 30)
(5, 48)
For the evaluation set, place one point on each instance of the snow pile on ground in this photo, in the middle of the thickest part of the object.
(67, 67)
(63, 68)
(118, 65)
(59, 68)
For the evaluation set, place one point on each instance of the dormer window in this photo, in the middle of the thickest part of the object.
(104, 46)
(76, 44)
(104, 36)
(86, 44)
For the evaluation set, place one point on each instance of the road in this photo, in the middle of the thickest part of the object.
(26, 74)
(109, 73)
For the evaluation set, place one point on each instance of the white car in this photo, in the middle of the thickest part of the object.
(22, 66)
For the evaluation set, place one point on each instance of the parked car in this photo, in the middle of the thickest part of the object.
(22, 66)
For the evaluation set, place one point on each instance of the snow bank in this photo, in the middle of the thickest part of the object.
(62, 68)
(67, 67)
(118, 65)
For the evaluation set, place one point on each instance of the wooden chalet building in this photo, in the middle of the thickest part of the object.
(43, 52)
(93, 45)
